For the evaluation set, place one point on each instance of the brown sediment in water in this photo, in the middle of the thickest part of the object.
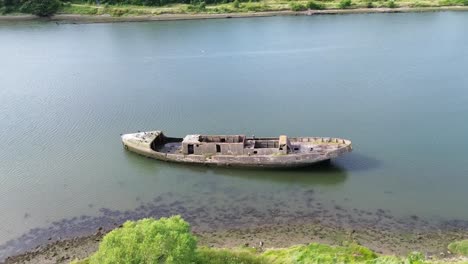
(74, 18)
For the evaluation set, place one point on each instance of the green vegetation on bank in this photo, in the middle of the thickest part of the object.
(157, 7)
(169, 240)
(35, 7)
(459, 247)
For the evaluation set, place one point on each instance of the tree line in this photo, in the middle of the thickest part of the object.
(36, 7)
(46, 8)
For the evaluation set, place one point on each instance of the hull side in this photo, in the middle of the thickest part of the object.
(143, 148)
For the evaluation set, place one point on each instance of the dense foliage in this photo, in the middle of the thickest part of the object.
(36, 7)
(315, 5)
(392, 4)
(41, 8)
(167, 240)
(297, 7)
(164, 2)
(345, 4)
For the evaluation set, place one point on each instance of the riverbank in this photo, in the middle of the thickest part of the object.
(144, 16)
(432, 244)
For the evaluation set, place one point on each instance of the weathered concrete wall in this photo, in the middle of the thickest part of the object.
(204, 148)
(222, 138)
(232, 148)
(261, 151)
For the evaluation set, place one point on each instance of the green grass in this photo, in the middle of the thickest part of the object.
(459, 247)
(248, 7)
(304, 254)
(318, 253)
(229, 256)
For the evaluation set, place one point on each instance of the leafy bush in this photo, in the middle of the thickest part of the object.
(236, 4)
(369, 4)
(459, 247)
(392, 4)
(167, 240)
(345, 4)
(315, 5)
(42, 8)
(298, 7)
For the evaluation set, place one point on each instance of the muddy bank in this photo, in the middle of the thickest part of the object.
(73, 18)
(250, 222)
(272, 236)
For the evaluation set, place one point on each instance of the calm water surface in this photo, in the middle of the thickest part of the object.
(395, 84)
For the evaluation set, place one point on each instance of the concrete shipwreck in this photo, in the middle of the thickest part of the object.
(236, 150)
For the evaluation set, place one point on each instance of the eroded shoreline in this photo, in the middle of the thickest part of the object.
(276, 227)
(433, 244)
(73, 18)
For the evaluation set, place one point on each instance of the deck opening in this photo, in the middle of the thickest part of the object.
(190, 149)
(218, 148)
(255, 152)
(223, 140)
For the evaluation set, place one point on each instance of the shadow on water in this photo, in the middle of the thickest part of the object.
(323, 173)
(356, 162)
(320, 174)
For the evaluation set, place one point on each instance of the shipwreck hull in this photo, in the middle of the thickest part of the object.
(304, 151)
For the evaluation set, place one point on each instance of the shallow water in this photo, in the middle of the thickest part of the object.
(395, 84)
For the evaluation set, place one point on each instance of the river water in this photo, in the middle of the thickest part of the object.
(395, 84)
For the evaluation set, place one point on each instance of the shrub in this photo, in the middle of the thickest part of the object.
(236, 4)
(345, 4)
(42, 8)
(369, 4)
(392, 4)
(315, 5)
(298, 7)
(459, 247)
(167, 240)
